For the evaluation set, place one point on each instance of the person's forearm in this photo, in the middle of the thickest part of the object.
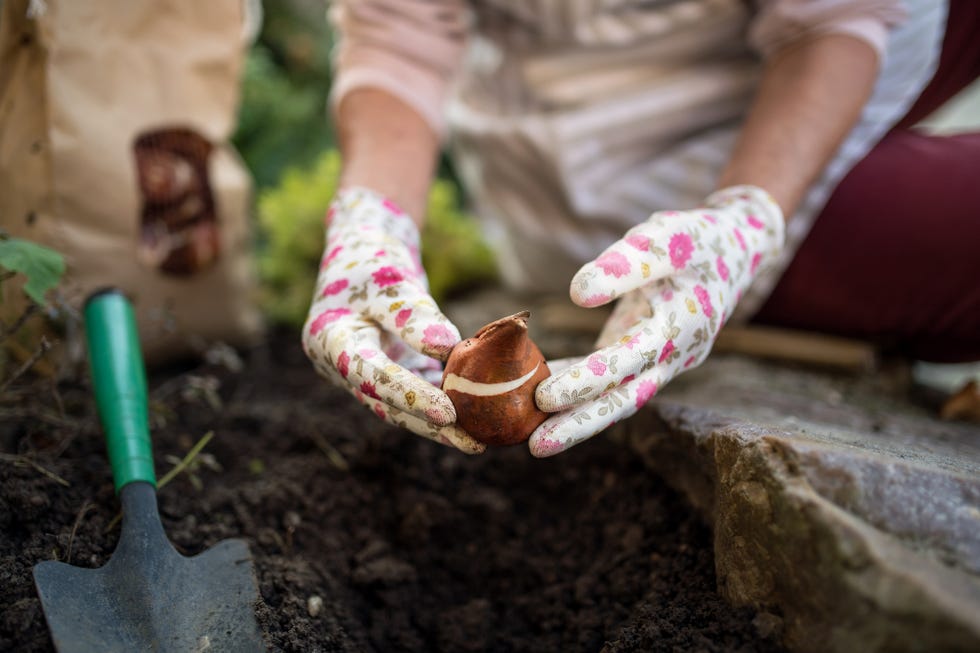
(387, 147)
(810, 97)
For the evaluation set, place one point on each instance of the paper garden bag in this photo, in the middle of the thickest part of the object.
(114, 127)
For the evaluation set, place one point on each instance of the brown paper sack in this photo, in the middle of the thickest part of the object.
(114, 127)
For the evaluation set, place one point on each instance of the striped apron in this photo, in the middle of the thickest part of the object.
(573, 120)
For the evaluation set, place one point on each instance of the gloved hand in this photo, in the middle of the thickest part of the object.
(677, 276)
(373, 328)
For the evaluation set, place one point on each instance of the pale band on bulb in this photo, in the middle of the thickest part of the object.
(460, 384)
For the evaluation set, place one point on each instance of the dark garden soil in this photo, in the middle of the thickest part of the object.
(409, 545)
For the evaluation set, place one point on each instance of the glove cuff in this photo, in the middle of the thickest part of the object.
(758, 204)
(357, 205)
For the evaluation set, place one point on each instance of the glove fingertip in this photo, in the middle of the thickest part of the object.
(463, 441)
(544, 396)
(436, 338)
(441, 414)
(587, 288)
(544, 447)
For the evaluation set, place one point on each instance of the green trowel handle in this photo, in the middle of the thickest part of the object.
(120, 385)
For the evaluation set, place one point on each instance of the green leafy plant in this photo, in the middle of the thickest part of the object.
(41, 266)
(23, 325)
(290, 218)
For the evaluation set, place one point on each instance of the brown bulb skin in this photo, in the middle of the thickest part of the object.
(483, 379)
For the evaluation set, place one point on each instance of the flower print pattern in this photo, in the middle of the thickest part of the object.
(335, 287)
(402, 317)
(596, 365)
(644, 391)
(373, 328)
(671, 304)
(722, 268)
(681, 247)
(613, 263)
(704, 300)
(386, 276)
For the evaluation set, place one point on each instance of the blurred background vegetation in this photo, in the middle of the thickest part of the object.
(287, 142)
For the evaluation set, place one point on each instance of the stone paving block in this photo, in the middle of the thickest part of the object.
(848, 513)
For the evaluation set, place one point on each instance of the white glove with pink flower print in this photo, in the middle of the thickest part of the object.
(677, 276)
(373, 328)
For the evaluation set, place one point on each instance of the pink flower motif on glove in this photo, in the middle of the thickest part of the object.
(438, 336)
(387, 276)
(369, 389)
(402, 317)
(667, 351)
(596, 300)
(644, 391)
(740, 238)
(704, 300)
(680, 248)
(331, 256)
(756, 259)
(596, 366)
(755, 222)
(343, 364)
(613, 263)
(722, 269)
(326, 317)
(638, 241)
(334, 287)
(391, 206)
(547, 447)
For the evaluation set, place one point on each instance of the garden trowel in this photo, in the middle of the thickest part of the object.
(148, 597)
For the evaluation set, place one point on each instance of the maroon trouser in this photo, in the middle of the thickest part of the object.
(894, 256)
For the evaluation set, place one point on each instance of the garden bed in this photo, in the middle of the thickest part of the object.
(409, 545)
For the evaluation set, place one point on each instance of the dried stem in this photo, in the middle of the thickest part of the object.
(177, 469)
(334, 457)
(6, 332)
(78, 520)
(21, 460)
(48, 417)
(186, 461)
(42, 349)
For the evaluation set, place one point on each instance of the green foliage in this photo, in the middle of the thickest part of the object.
(291, 232)
(290, 219)
(43, 267)
(283, 118)
(282, 122)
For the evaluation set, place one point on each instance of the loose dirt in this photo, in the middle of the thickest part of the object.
(365, 537)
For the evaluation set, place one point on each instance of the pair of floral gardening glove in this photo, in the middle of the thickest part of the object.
(373, 328)
(677, 277)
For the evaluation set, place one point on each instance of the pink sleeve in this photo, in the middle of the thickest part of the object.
(409, 48)
(779, 23)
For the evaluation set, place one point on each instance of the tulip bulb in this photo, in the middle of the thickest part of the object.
(491, 378)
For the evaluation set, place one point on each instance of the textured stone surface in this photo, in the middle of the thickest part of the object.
(840, 508)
